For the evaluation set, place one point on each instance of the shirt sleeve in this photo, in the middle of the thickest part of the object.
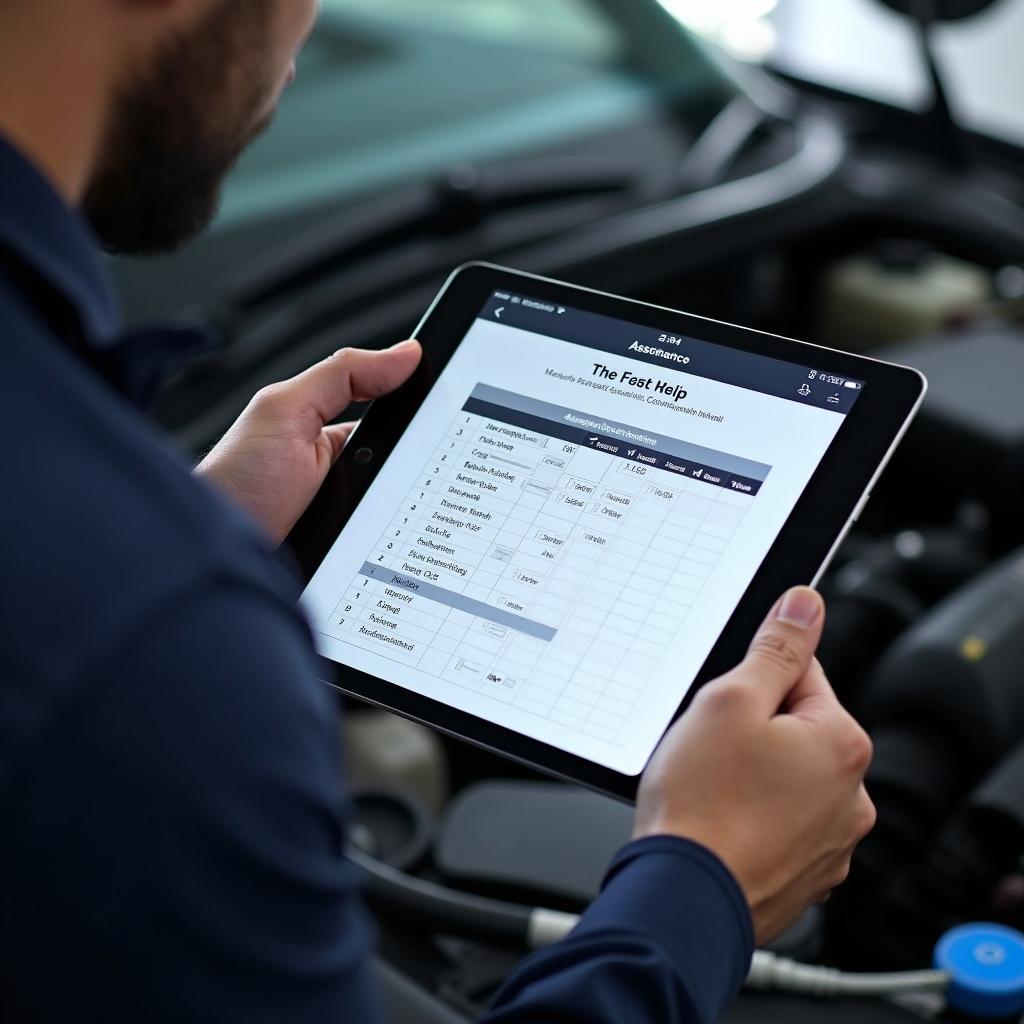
(179, 848)
(179, 857)
(669, 940)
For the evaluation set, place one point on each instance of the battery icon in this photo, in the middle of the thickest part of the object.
(851, 384)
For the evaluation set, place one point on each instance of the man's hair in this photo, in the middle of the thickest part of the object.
(178, 126)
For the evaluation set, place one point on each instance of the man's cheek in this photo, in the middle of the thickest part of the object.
(300, 20)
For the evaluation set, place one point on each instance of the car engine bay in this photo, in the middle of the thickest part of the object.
(796, 211)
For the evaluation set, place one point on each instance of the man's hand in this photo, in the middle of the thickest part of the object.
(766, 770)
(276, 455)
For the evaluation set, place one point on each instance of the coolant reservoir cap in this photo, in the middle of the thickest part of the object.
(986, 966)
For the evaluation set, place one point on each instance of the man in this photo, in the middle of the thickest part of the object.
(171, 821)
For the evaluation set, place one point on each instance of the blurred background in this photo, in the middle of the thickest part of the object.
(393, 90)
(849, 172)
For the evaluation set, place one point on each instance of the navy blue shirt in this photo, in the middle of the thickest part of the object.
(171, 817)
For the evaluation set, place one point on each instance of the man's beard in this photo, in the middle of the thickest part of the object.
(178, 128)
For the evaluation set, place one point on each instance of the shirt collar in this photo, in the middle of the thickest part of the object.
(38, 228)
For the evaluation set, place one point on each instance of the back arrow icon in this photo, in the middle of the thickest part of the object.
(499, 311)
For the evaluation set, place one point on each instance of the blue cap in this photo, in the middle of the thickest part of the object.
(986, 965)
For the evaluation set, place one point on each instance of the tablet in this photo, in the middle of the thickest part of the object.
(578, 510)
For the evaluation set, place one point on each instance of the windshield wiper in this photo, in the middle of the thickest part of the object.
(545, 197)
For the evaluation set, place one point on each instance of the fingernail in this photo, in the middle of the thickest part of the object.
(801, 607)
(405, 344)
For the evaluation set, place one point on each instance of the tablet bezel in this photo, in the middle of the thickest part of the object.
(829, 505)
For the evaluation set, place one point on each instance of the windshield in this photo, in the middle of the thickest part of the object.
(861, 46)
(392, 90)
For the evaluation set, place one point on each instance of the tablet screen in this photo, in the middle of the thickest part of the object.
(570, 520)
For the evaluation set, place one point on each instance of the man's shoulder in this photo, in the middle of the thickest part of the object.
(101, 524)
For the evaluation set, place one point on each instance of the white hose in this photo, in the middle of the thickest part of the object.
(770, 971)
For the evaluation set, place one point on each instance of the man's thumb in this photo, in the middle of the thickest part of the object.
(784, 646)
